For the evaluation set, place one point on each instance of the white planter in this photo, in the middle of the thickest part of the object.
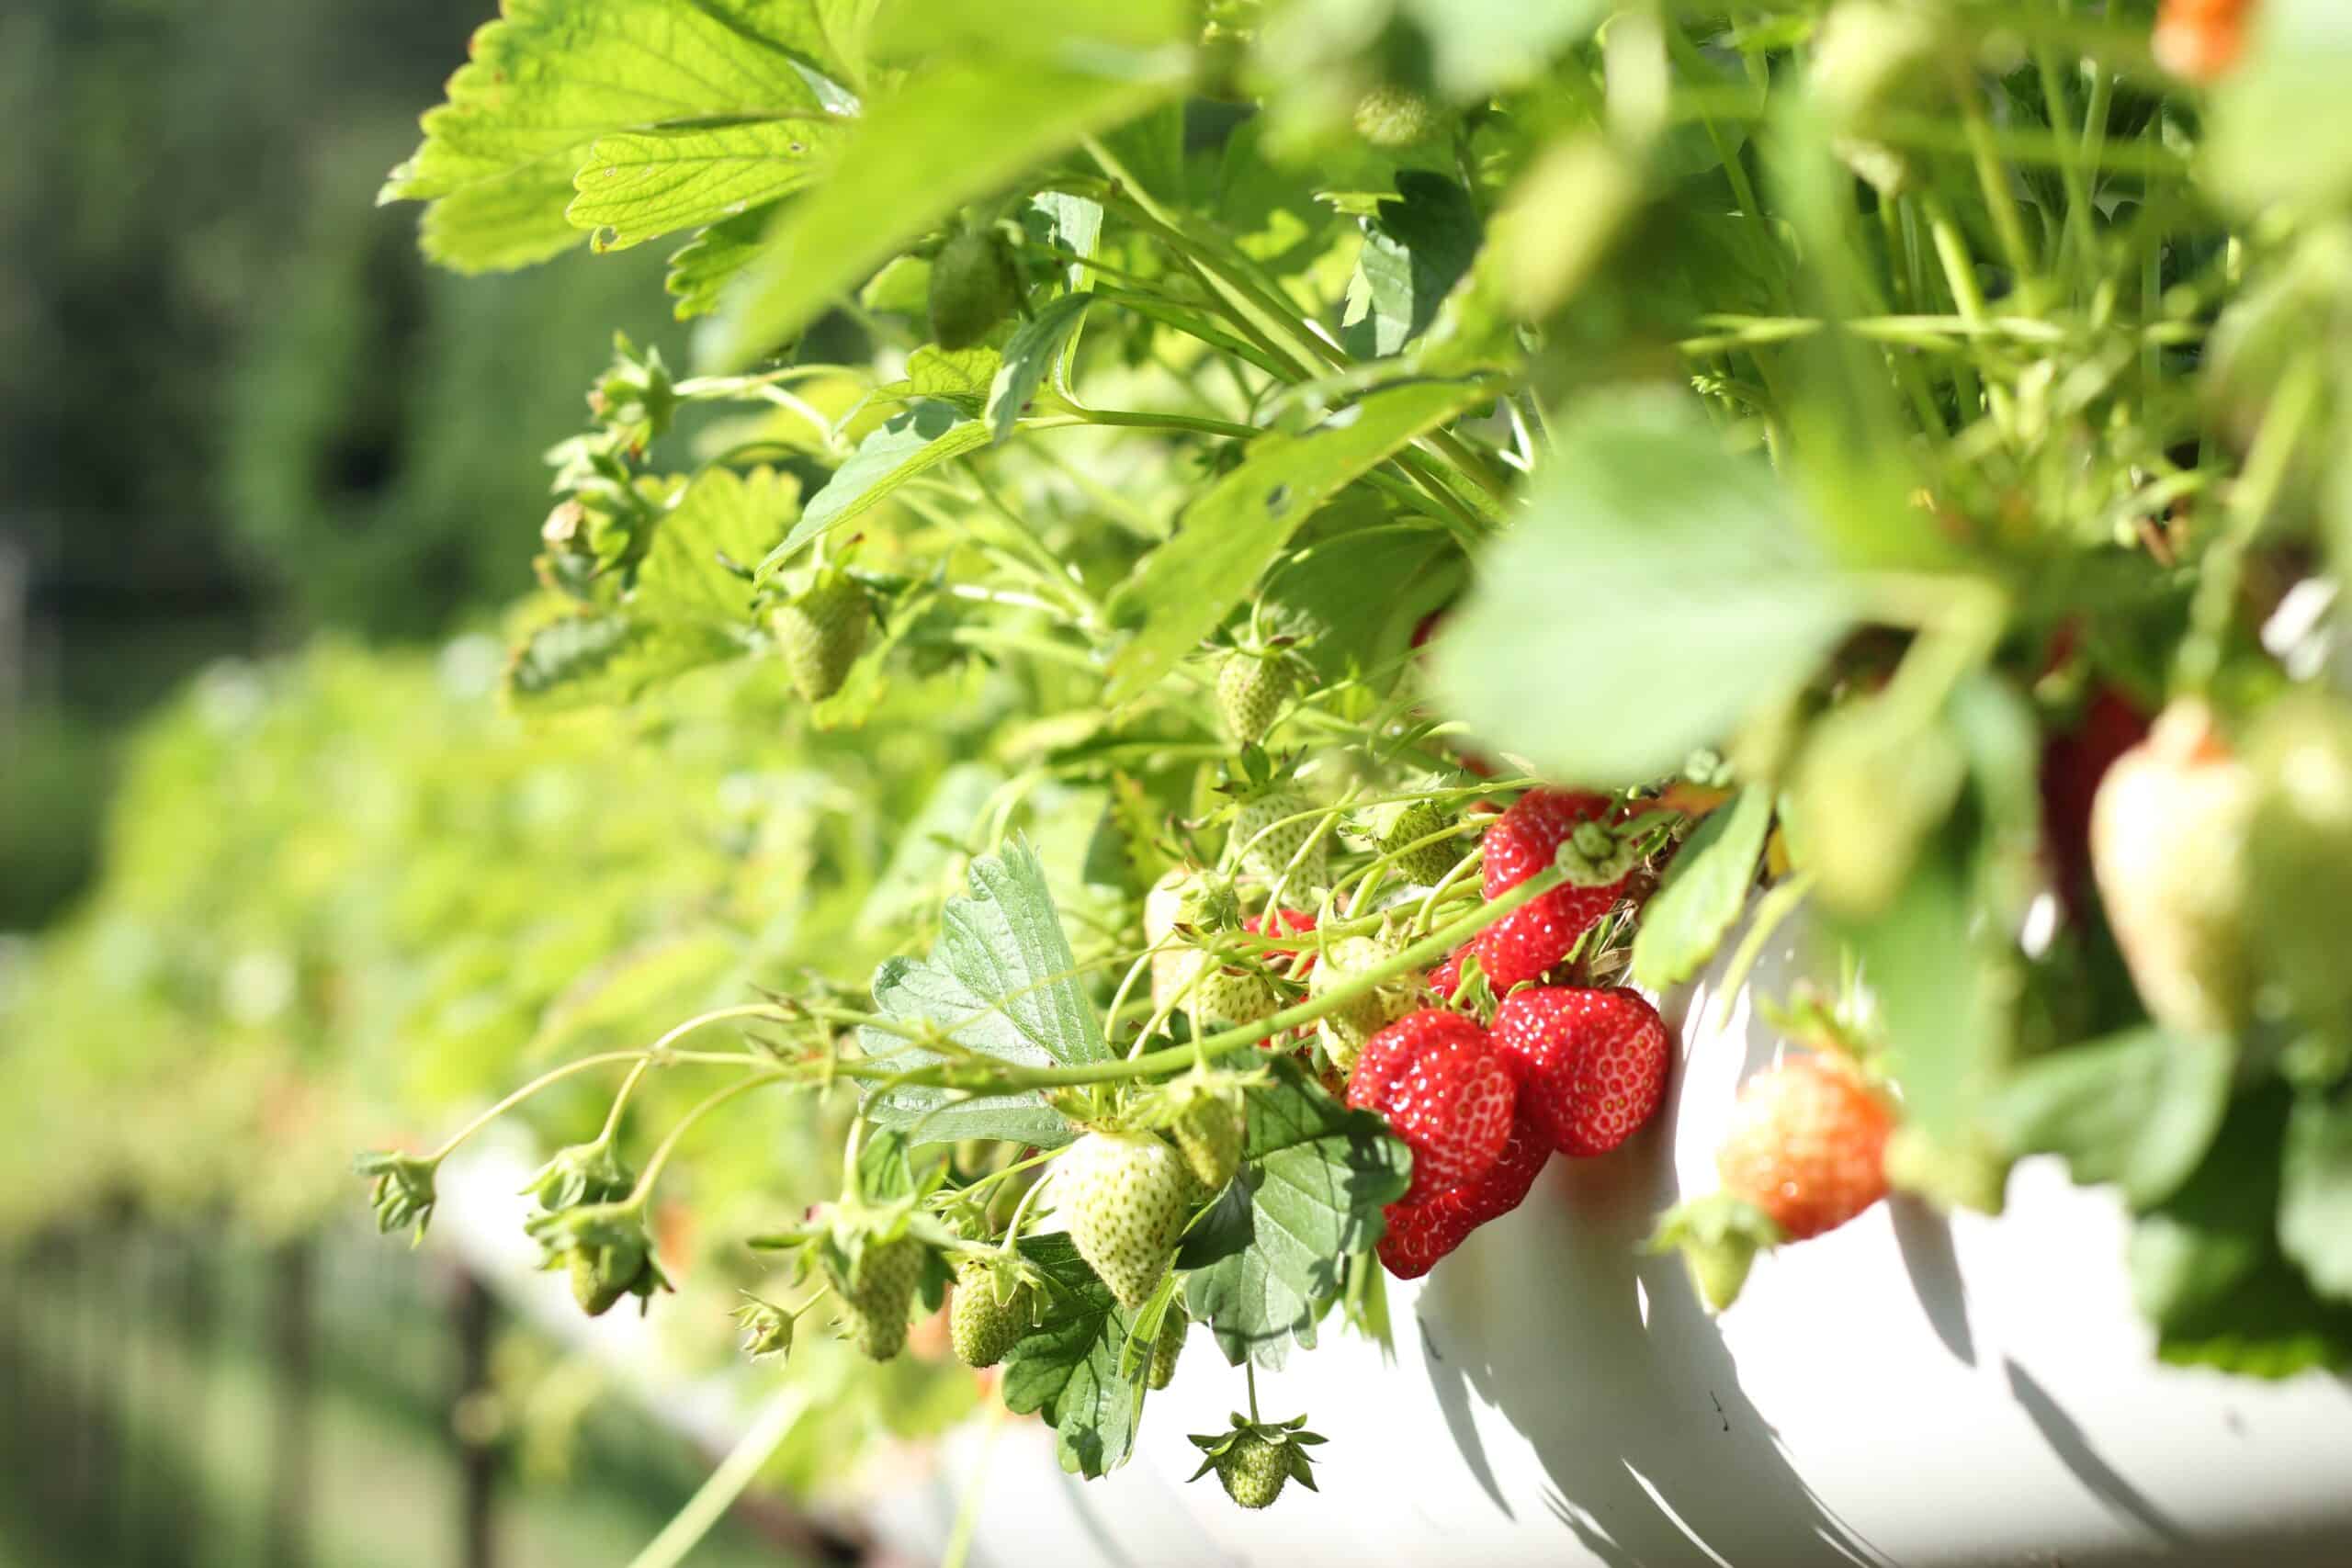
(1906, 1390)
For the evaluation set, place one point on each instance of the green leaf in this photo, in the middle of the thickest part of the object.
(1238, 528)
(2139, 1110)
(1354, 591)
(1266, 1260)
(957, 375)
(1028, 358)
(1704, 892)
(2207, 1269)
(551, 76)
(637, 185)
(920, 439)
(956, 135)
(1415, 251)
(2315, 1196)
(1066, 1368)
(1477, 46)
(1942, 996)
(2281, 125)
(598, 659)
(1650, 560)
(723, 517)
(885, 1173)
(701, 269)
(1000, 982)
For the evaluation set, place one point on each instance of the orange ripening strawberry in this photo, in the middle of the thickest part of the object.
(1591, 1063)
(1437, 1079)
(2199, 41)
(1807, 1145)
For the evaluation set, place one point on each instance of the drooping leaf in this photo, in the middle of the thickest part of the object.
(1415, 250)
(923, 437)
(1236, 530)
(1028, 358)
(2207, 1269)
(1000, 982)
(1654, 566)
(636, 185)
(700, 269)
(1704, 892)
(2315, 1197)
(1942, 995)
(1066, 1368)
(549, 77)
(952, 135)
(1266, 1261)
(2139, 1110)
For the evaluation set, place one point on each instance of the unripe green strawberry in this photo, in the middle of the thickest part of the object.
(1264, 850)
(2300, 849)
(1256, 1458)
(875, 1303)
(1123, 1197)
(1228, 995)
(1428, 864)
(596, 1282)
(2169, 848)
(1394, 116)
(1208, 1131)
(820, 632)
(974, 286)
(1345, 1028)
(980, 1327)
(1166, 1349)
(1251, 691)
(1253, 1471)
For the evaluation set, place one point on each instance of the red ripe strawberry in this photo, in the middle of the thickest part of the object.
(1444, 1089)
(1522, 841)
(2071, 766)
(1592, 1064)
(1285, 922)
(1446, 978)
(1531, 939)
(2200, 40)
(1420, 1233)
(1807, 1145)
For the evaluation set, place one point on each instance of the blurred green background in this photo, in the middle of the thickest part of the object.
(219, 360)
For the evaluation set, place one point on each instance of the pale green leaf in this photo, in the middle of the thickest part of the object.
(1651, 561)
(637, 185)
(2281, 125)
(923, 438)
(704, 265)
(549, 77)
(1415, 250)
(1241, 525)
(723, 517)
(1000, 982)
(601, 658)
(1704, 892)
(961, 375)
(957, 134)
(1028, 358)
(2315, 1193)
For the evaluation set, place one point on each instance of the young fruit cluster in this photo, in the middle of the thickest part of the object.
(1564, 1070)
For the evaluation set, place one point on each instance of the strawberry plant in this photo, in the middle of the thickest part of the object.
(1314, 558)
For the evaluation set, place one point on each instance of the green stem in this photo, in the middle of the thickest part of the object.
(737, 1471)
(711, 1103)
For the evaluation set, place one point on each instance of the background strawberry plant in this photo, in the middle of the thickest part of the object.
(1189, 539)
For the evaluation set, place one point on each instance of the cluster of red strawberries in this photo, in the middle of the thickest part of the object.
(1564, 1069)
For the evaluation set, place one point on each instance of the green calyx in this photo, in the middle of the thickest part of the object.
(1256, 1459)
